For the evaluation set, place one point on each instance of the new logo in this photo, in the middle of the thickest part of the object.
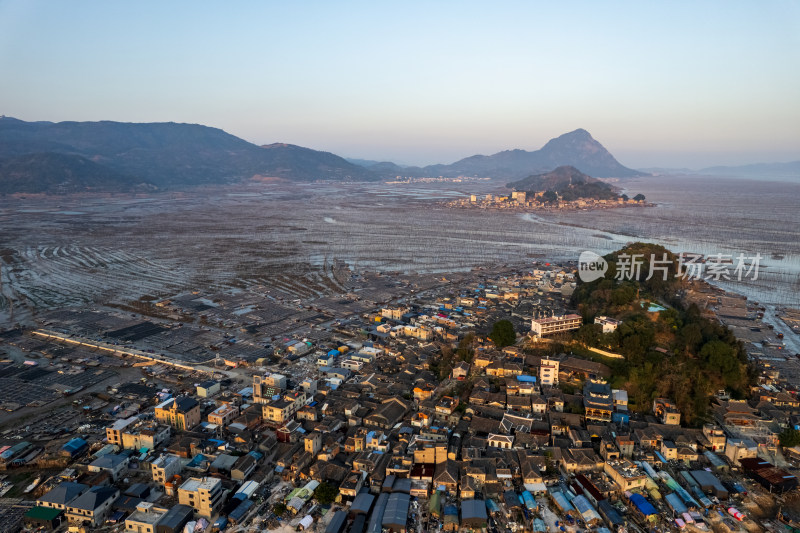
(591, 266)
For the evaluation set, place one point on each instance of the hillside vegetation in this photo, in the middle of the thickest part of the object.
(675, 353)
(568, 182)
(167, 155)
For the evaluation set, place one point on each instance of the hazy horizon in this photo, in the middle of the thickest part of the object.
(682, 84)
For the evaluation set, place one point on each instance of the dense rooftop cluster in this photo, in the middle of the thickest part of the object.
(388, 408)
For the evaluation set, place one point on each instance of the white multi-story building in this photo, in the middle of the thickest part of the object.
(608, 324)
(548, 372)
(556, 324)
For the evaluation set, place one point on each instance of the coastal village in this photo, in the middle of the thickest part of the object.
(522, 200)
(385, 409)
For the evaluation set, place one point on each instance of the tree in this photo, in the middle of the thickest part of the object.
(503, 334)
(589, 334)
(550, 197)
(789, 438)
(279, 509)
(639, 197)
(326, 493)
(464, 350)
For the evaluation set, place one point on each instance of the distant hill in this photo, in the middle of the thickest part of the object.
(168, 155)
(53, 173)
(297, 163)
(757, 170)
(666, 170)
(384, 168)
(577, 149)
(569, 182)
(555, 180)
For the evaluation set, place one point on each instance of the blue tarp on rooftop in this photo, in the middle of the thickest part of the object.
(196, 460)
(644, 506)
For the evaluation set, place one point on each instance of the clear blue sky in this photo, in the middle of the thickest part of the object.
(658, 83)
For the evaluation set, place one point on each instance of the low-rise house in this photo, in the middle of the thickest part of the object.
(208, 388)
(501, 441)
(423, 391)
(352, 485)
(91, 508)
(738, 449)
(669, 450)
(388, 414)
(648, 438)
(446, 476)
(430, 453)
(625, 445)
(539, 405)
(61, 495)
(145, 519)
(580, 460)
(514, 423)
(177, 517)
(460, 371)
(307, 413)
(446, 405)
(608, 325)
(666, 411)
(243, 467)
(421, 420)
(519, 403)
(114, 465)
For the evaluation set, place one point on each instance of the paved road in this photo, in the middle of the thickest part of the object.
(790, 339)
(120, 351)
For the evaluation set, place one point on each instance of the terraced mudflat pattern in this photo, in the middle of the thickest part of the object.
(302, 240)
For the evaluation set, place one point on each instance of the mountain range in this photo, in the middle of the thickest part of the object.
(577, 148)
(66, 157)
(124, 156)
(757, 170)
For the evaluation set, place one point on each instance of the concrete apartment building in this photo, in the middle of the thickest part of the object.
(264, 387)
(135, 434)
(223, 415)
(149, 436)
(625, 474)
(548, 372)
(542, 327)
(165, 468)
(114, 431)
(204, 495)
(278, 411)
